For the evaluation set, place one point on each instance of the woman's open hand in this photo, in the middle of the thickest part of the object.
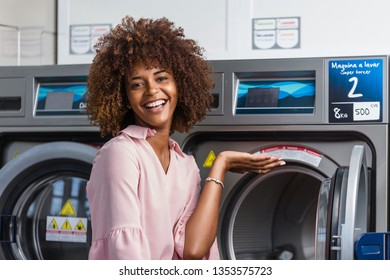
(241, 162)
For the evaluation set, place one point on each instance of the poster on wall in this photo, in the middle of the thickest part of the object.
(83, 37)
(276, 33)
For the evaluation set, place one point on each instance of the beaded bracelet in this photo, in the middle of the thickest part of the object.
(209, 179)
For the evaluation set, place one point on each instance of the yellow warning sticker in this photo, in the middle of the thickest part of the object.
(209, 160)
(53, 224)
(66, 225)
(67, 209)
(73, 229)
(80, 226)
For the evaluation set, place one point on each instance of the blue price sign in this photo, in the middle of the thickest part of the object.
(355, 90)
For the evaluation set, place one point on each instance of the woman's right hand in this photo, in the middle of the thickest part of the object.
(241, 162)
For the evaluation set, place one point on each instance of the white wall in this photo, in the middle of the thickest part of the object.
(328, 27)
(222, 27)
(35, 19)
(204, 20)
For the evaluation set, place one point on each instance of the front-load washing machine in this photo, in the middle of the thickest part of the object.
(46, 147)
(328, 119)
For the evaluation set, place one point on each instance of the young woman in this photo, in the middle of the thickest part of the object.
(146, 82)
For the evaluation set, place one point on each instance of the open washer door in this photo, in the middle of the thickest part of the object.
(295, 212)
(43, 203)
(342, 210)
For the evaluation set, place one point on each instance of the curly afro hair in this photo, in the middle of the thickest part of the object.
(155, 43)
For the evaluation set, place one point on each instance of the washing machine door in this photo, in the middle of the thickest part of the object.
(342, 210)
(43, 203)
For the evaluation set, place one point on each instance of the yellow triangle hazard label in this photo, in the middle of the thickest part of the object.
(209, 160)
(66, 225)
(53, 224)
(80, 226)
(67, 209)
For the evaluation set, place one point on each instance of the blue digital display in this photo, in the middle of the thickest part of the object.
(275, 97)
(61, 99)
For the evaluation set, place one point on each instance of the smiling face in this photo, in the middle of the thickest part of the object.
(152, 96)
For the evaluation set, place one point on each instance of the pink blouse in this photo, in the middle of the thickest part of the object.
(137, 210)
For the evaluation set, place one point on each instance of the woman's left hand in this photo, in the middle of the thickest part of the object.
(241, 162)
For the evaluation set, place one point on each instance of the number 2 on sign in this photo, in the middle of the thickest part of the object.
(351, 93)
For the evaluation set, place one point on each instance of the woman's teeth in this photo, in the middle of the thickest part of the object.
(155, 104)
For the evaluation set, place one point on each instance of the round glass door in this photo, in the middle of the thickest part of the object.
(44, 205)
(53, 218)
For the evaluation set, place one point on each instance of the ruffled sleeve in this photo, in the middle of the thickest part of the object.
(121, 244)
(117, 231)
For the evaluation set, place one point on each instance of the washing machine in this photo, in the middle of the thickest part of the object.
(328, 119)
(46, 149)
